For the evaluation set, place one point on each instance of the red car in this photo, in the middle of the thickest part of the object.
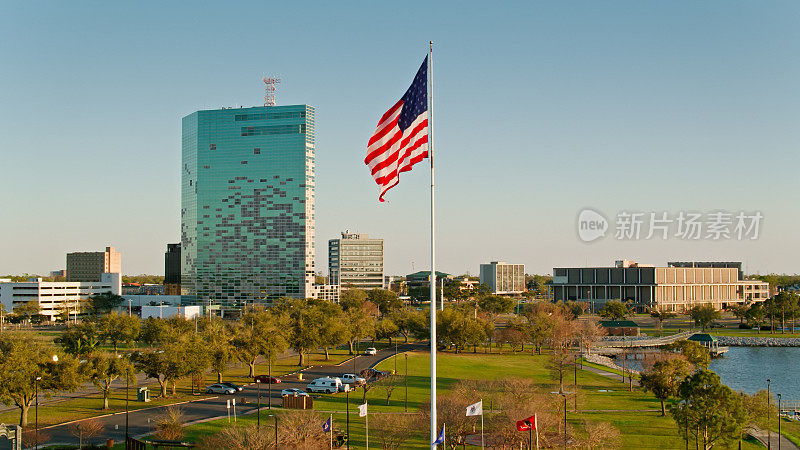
(266, 379)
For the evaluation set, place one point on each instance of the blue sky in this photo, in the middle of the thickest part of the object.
(541, 109)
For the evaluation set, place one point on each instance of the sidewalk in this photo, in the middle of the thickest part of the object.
(761, 435)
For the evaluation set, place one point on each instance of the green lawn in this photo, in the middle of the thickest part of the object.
(89, 406)
(640, 429)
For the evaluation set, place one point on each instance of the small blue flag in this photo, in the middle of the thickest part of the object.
(326, 427)
(440, 439)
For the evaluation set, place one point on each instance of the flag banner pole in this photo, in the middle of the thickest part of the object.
(366, 426)
(331, 418)
(433, 252)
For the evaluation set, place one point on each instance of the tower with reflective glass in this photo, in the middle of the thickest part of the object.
(247, 205)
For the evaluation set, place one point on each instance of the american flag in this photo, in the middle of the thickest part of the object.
(401, 139)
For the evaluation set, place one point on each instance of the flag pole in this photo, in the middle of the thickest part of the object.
(433, 253)
(366, 425)
(331, 419)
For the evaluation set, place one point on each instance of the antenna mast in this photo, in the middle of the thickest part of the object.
(270, 85)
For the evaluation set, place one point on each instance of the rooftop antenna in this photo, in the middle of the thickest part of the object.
(270, 85)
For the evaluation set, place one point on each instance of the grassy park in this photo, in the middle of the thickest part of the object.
(89, 406)
(600, 399)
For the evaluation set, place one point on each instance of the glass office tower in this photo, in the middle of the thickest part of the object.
(247, 205)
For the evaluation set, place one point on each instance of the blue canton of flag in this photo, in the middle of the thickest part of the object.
(326, 427)
(440, 439)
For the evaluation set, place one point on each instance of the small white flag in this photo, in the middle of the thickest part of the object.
(362, 410)
(475, 409)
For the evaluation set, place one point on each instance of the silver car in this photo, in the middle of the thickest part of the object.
(220, 389)
(293, 392)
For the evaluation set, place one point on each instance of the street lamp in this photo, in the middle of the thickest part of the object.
(564, 394)
(347, 395)
(275, 416)
(769, 406)
(36, 381)
(36, 388)
(258, 408)
(779, 421)
(269, 382)
(406, 380)
(127, 387)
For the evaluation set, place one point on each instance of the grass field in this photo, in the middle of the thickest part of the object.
(89, 406)
(641, 428)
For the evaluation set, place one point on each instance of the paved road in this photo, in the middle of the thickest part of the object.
(141, 422)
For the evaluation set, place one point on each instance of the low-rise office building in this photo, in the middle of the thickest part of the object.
(423, 278)
(89, 266)
(677, 287)
(55, 297)
(356, 260)
(503, 278)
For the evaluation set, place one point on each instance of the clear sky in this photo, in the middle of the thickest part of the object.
(541, 109)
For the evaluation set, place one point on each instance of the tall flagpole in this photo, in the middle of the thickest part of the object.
(433, 253)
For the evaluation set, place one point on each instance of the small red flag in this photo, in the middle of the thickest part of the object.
(527, 424)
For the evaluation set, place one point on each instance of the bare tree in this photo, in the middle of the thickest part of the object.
(85, 429)
(239, 437)
(601, 435)
(169, 426)
(31, 440)
(394, 430)
(588, 331)
(302, 430)
(389, 384)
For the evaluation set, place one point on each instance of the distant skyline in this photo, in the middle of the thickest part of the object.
(541, 109)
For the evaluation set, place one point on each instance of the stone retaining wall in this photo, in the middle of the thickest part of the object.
(757, 341)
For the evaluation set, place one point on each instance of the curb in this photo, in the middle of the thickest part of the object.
(123, 412)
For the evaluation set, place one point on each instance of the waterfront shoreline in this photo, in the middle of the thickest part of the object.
(757, 341)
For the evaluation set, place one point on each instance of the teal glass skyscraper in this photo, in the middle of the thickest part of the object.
(247, 205)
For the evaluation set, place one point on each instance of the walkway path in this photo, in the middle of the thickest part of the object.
(608, 374)
(761, 435)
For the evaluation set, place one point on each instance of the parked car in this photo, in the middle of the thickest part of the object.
(220, 389)
(370, 351)
(294, 392)
(327, 385)
(266, 379)
(232, 385)
(351, 378)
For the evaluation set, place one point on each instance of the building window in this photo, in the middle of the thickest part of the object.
(244, 162)
(212, 146)
(256, 151)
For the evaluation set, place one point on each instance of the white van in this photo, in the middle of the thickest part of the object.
(327, 385)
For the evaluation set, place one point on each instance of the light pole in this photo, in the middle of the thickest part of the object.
(565, 419)
(275, 416)
(127, 386)
(769, 406)
(258, 408)
(575, 380)
(269, 382)
(406, 380)
(36, 388)
(347, 395)
(779, 421)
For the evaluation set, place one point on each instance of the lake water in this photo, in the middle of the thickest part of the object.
(747, 369)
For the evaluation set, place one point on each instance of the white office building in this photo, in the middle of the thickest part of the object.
(54, 297)
(356, 261)
(503, 278)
